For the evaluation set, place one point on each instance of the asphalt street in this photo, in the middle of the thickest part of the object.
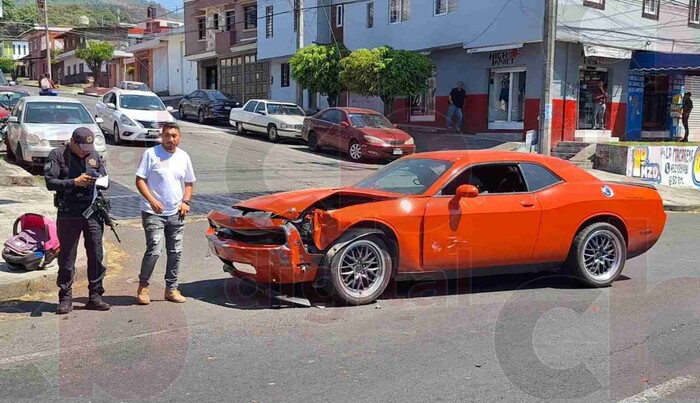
(505, 338)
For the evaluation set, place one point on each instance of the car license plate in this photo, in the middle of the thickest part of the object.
(398, 151)
(153, 133)
(228, 108)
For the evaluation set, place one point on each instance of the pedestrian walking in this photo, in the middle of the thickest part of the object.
(600, 100)
(456, 99)
(687, 108)
(71, 171)
(165, 179)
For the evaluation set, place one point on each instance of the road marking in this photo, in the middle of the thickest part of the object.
(663, 390)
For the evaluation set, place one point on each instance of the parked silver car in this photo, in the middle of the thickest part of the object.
(40, 124)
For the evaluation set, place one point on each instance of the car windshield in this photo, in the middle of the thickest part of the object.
(218, 96)
(136, 87)
(10, 98)
(69, 113)
(142, 103)
(284, 109)
(410, 176)
(3, 80)
(369, 120)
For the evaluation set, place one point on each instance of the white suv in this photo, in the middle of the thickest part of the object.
(133, 115)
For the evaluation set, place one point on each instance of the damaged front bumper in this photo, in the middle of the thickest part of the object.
(260, 247)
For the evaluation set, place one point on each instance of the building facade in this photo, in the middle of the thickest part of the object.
(221, 37)
(35, 60)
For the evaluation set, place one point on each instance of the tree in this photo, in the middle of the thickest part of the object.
(7, 65)
(386, 73)
(94, 54)
(317, 68)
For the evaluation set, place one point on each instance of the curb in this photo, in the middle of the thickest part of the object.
(45, 283)
(682, 209)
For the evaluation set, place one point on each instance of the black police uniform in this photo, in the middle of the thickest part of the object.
(60, 171)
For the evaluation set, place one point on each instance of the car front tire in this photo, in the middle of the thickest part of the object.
(116, 136)
(200, 117)
(355, 151)
(272, 134)
(312, 142)
(598, 254)
(239, 128)
(182, 114)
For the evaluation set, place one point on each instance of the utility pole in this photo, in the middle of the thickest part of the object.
(43, 6)
(548, 44)
(299, 4)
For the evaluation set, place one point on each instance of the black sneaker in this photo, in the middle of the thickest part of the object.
(64, 307)
(97, 304)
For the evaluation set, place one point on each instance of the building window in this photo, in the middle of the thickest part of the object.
(694, 13)
(202, 28)
(82, 68)
(296, 15)
(399, 11)
(650, 9)
(68, 71)
(506, 98)
(250, 13)
(230, 20)
(269, 28)
(423, 105)
(339, 15)
(284, 73)
(599, 4)
(442, 7)
(370, 14)
(215, 21)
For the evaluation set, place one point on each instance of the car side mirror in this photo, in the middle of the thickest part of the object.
(170, 109)
(112, 106)
(344, 124)
(467, 191)
(13, 119)
(99, 120)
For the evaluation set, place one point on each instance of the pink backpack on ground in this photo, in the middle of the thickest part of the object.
(33, 244)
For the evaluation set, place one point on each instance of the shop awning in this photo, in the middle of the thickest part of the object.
(605, 51)
(654, 61)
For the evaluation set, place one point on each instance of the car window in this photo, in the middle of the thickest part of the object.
(57, 113)
(250, 106)
(406, 176)
(141, 103)
(489, 179)
(260, 108)
(285, 109)
(218, 96)
(369, 120)
(105, 98)
(18, 110)
(10, 98)
(342, 116)
(331, 116)
(325, 116)
(538, 177)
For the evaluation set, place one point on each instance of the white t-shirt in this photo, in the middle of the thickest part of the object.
(166, 175)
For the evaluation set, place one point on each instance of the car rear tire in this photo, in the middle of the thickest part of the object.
(272, 134)
(200, 117)
(598, 254)
(355, 150)
(239, 128)
(181, 111)
(360, 271)
(312, 142)
(116, 136)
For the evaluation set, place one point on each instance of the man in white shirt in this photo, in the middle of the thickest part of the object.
(165, 178)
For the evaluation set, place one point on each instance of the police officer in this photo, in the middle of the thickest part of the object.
(71, 171)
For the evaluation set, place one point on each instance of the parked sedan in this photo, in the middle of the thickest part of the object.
(275, 119)
(207, 105)
(361, 133)
(440, 215)
(133, 115)
(40, 124)
(9, 97)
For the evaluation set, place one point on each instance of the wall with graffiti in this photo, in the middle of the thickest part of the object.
(670, 166)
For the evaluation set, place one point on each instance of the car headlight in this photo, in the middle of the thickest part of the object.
(410, 141)
(286, 126)
(374, 140)
(99, 140)
(33, 140)
(126, 121)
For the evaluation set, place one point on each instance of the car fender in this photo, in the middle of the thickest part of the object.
(346, 238)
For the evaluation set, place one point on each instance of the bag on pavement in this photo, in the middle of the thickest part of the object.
(33, 244)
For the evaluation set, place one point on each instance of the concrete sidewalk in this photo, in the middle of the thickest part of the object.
(21, 193)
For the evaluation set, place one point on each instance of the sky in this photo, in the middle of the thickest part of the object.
(170, 4)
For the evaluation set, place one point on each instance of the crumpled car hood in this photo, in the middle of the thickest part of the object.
(291, 204)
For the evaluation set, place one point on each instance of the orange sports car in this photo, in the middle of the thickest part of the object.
(437, 215)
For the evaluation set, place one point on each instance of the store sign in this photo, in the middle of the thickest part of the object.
(670, 166)
(635, 99)
(593, 61)
(503, 57)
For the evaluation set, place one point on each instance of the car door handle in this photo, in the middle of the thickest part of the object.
(525, 203)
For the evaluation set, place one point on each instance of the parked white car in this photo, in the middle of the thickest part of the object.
(133, 115)
(276, 119)
(39, 124)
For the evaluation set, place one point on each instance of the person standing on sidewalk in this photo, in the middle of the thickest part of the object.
(165, 178)
(600, 99)
(71, 171)
(687, 108)
(456, 99)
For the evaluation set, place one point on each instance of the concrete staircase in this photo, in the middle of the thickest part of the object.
(577, 152)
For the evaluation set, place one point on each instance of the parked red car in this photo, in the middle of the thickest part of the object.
(361, 133)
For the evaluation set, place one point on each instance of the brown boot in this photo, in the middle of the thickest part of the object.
(174, 296)
(142, 296)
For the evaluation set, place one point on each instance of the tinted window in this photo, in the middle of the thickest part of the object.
(250, 106)
(406, 176)
(261, 107)
(538, 177)
(10, 98)
(57, 113)
(218, 96)
(325, 116)
(489, 179)
(198, 94)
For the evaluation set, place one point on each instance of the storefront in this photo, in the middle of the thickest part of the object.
(657, 83)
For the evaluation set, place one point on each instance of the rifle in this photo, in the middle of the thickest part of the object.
(101, 207)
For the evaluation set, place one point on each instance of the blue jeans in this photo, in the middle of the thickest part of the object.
(451, 111)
